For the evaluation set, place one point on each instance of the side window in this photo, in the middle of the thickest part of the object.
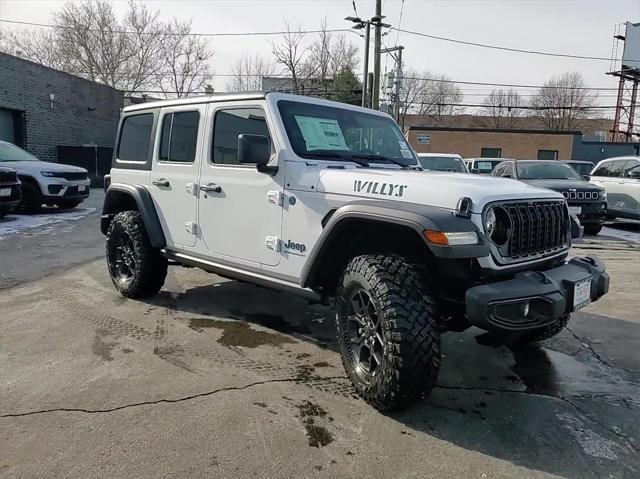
(631, 164)
(179, 137)
(135, 135)
(228, 125)
(508, 170)
(617, 167)
(603, 169)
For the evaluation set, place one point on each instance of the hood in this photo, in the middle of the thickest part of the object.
(563, 185)
(31, 166)
(431, 188)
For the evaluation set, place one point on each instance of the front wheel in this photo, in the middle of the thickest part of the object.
(389, 347)
(136, 268)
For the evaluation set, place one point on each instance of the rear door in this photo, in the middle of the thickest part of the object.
(176, 163)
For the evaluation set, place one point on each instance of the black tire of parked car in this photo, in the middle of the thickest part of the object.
(31, 198)
(592, 229)
(67, 204)
(136, 268)
(384, 316)
(548, 331)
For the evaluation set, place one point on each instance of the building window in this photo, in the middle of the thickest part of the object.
(491, 152)
(547, 154)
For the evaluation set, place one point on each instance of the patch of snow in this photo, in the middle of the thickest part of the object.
(590, 441)
(33, 224)
(621, 234)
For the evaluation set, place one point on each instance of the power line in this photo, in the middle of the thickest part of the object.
(399, 22)
(512, 85)
(502, 48)
(128, 32)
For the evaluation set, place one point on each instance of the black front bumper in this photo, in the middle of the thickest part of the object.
(8, 203)
(549, 295)
(592, 213)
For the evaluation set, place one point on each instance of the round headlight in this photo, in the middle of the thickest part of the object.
(490, 222)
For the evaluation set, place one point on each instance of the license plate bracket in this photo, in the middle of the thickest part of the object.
(582, 293)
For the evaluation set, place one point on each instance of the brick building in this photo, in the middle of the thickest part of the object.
(42, 109)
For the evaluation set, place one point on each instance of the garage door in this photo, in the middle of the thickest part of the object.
(7, 132)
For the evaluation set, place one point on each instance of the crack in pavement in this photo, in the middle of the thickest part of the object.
(166, 401)
(630, 442)
(590, 348)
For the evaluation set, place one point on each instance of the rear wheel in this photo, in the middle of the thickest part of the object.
(136, 268)
(31, 198)
(389, 347)
(592, 229)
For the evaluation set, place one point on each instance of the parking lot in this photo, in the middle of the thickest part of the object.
(214, 378)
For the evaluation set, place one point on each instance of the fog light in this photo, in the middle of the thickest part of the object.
(525, 309)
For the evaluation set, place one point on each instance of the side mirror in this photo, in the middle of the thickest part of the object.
(255, 150)
(635, 174)
(586, 177)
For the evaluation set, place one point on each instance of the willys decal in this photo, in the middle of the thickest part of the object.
(377, 188)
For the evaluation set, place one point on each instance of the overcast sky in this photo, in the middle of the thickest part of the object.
(576, 27)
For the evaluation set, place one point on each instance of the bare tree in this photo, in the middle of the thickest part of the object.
(429, 94)
(133, 53)
(247, 73)
(290, 53)
(563, 101)
(185, 60)
(502, 106)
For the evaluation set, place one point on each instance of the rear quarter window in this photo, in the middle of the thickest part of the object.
(135, 138)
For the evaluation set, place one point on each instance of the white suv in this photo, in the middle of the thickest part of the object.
(620, 177)
(328, 201)
(65, 186)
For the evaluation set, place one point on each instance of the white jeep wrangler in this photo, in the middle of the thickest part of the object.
(328, 201)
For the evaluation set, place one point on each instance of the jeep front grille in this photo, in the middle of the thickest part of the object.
(537, 229)
(580, 195)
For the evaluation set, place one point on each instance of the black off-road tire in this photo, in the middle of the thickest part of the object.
(548, 331)
(67, 204)
(410, 358)
(592, 229)
(147, 275)
(31, 198)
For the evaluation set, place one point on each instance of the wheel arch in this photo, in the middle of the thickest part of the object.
(121, 197)
(376, 227)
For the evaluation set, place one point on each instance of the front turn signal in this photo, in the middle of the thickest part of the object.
(451, 238)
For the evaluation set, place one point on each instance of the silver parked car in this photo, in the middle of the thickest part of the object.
(620, 177)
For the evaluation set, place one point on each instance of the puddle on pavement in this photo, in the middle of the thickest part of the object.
(535, 369)
(317, 435)
(271, 321)
(239, 333)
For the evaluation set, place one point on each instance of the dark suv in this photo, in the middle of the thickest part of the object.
(586, 201)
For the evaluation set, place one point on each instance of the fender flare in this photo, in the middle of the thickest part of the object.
(145, 206)
(416, 217)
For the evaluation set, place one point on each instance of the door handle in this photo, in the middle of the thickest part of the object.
(211, 188)
(161, 182)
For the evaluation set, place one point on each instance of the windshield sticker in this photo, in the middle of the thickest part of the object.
(485, 165)
(321, 133)
(406, 154)
(376, 188)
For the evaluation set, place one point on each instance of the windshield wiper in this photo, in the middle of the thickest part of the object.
(327, 155)
(384, 159)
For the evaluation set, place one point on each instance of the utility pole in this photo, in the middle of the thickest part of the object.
(377, 42)
(365, 76)
(395, 88)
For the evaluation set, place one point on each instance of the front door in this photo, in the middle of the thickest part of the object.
(176, 163)
(240, 208)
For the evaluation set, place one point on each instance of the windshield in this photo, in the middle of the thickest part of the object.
(546, 170)
(10, 152)
(485, 166)
(442, 163)
(318, 131)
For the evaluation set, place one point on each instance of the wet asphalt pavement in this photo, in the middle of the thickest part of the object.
(213, 378)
